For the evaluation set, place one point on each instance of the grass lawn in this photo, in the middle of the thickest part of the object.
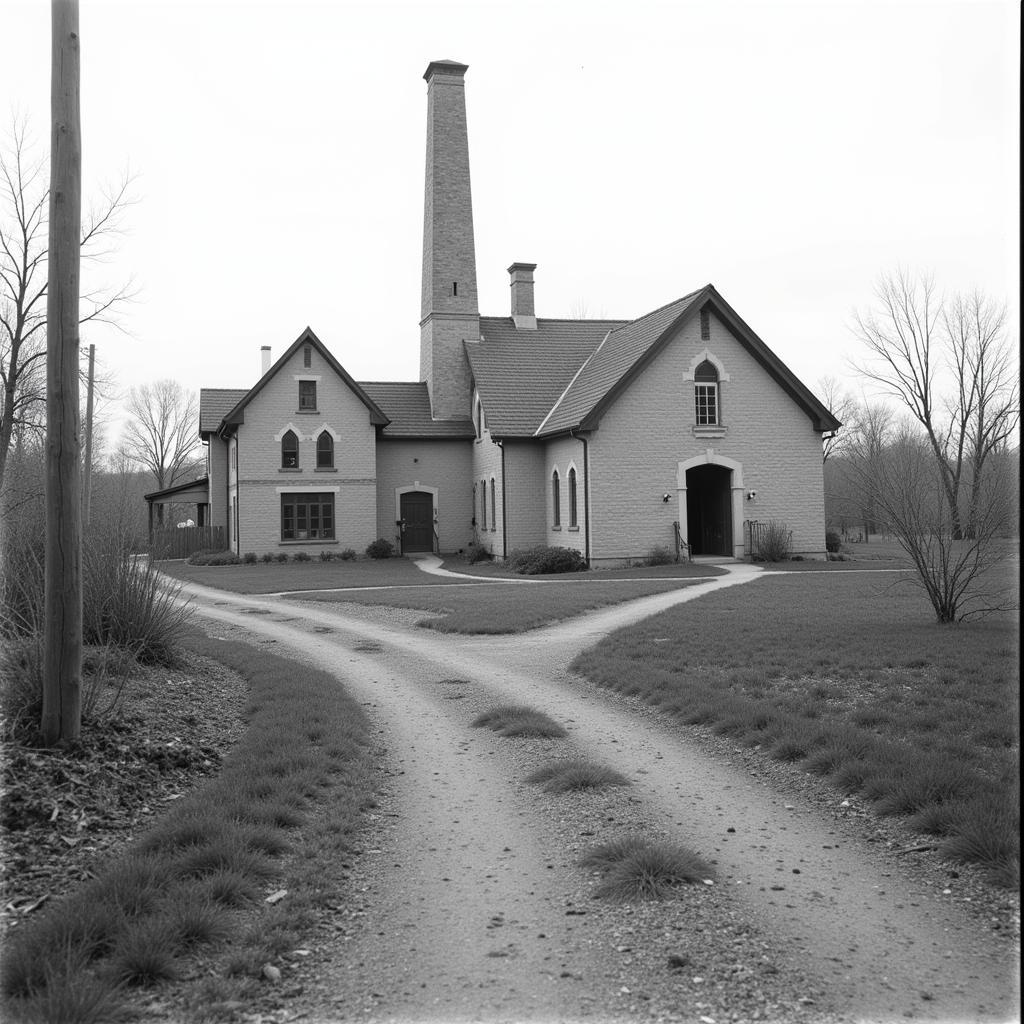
(850, 675)
(275, 577)
(280, 577)
(501, 608)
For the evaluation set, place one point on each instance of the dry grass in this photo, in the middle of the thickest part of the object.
(515, 721)
(637, 869)
(193, 884)
(575, 776)
(851, 676)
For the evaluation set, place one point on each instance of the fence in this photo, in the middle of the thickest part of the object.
(182, 541)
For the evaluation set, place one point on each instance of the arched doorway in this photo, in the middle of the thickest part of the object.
(417, 517)
(709, 509)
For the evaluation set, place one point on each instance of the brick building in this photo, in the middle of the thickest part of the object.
(608, 436)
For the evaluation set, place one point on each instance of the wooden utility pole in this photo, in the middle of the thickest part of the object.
(87, 488)
(62, 640)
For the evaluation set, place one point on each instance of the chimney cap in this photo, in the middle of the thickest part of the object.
(522, 266)
(445, 67)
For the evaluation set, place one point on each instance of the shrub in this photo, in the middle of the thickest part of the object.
(126, 602)
(282, 556)
(348, 555)
(775, 541)
(659, 555)
(380, 548)
(249, 558)
(214, 558)
(302, 556)
(543, 560)
(326, 555)
(267, 556)
(478, 553)
(833, 542)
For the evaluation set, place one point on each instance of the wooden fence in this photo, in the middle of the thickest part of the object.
(182, 541)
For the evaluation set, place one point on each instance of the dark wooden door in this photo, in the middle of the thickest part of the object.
(417, 508)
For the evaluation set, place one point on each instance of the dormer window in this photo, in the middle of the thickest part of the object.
(705, 394)
(307, 396)
(289, 450)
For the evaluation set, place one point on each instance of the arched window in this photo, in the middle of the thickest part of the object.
(289, 450)
(483, 504)
(325, 451)
(573, 518)
(705, 394)
(556, 501)
(478, 418)
(494, 506)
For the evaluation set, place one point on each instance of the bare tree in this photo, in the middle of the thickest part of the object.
(24, 251)
(963, 578)
(843, 406)
(163, 434)
(985, 406)
(948, 364)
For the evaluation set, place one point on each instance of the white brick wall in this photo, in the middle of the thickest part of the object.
(636, 452)
(563, 455)
(261, 479)
(442, 465)
(487, 466)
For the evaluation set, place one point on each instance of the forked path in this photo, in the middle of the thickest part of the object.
(470, 901)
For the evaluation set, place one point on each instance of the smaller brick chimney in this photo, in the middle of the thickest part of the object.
(264, 358)
(521, 283)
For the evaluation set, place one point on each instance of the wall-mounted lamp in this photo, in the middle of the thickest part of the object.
(666, 498)
(751, 495)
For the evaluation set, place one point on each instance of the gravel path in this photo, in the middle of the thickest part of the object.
(474, 907)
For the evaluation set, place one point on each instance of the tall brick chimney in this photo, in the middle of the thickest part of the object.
(449, 310)
(521, 283)
(264, 358)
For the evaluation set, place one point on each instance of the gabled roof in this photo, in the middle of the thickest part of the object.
(630, 348)
(614, 363)
(407, 406)
(214, 405)
(237, 414)
(522, 374)
(200, 486)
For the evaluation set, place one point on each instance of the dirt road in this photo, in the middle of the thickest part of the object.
(475, 908)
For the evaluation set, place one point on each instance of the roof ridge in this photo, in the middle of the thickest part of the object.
(565, 390)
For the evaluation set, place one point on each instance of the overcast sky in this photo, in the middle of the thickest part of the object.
(788, 153)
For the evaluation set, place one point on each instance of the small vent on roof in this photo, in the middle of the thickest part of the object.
(705, 324)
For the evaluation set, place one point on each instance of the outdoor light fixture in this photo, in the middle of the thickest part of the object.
(665, 498)
(751, 495)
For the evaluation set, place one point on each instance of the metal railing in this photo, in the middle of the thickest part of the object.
(682, 548)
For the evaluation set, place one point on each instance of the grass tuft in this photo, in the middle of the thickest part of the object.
(636, 869)
(575, 776)
(518, 721)
(144, 955)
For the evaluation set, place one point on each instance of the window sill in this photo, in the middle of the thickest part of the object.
(314, 540)
(290, 469)
(325, 469)
(558, 528)
(574, 529)
(307, 412)
(710, 430)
